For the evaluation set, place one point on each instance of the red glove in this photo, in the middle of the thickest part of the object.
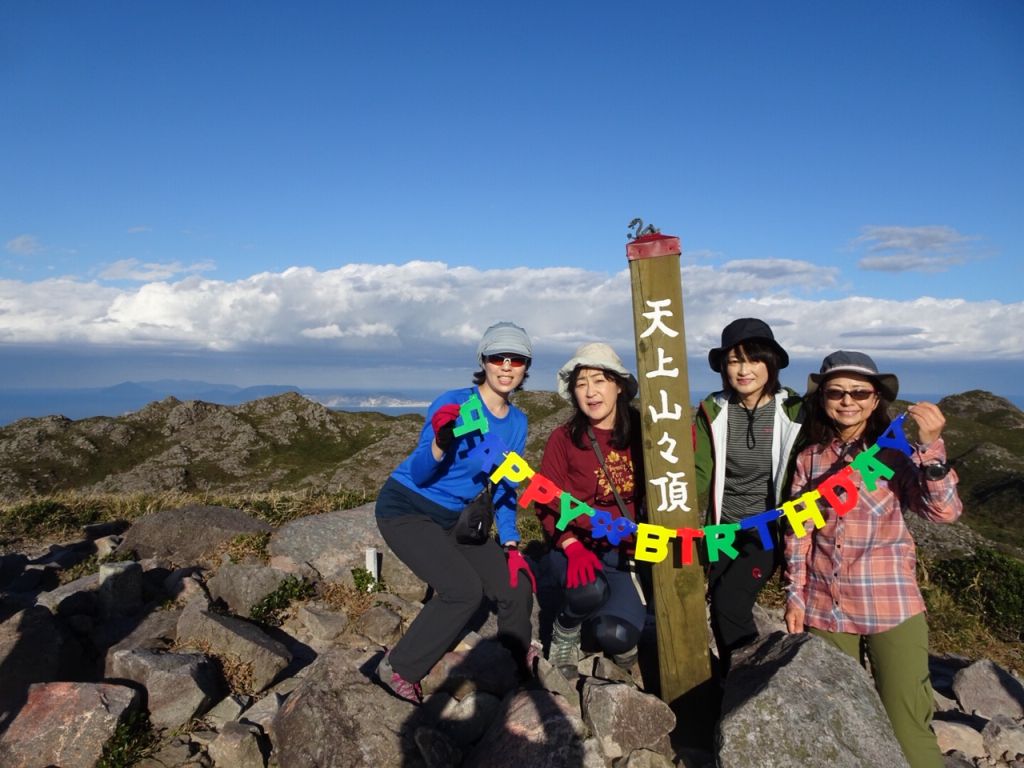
(443, 422)
(583, 565)
(517, 563)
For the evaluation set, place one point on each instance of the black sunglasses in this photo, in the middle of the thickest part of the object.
(860, 395)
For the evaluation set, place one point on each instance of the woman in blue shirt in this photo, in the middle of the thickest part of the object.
(420, 503)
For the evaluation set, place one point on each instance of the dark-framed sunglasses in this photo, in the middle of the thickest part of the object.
(860, 395)
(515, 361)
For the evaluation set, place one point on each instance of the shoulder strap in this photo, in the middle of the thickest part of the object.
(600, 458)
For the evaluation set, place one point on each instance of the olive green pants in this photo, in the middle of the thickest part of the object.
(899, 663)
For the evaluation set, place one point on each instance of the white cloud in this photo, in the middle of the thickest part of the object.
(364, 314)
(913, 249)
(23, 245)
(133, 269)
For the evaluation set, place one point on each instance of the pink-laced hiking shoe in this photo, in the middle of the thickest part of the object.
(397, 684)
(532, 655)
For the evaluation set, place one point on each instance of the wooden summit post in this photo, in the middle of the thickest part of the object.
(684, 663)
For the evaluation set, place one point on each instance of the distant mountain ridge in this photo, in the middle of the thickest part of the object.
(288, 442)
(128, 396)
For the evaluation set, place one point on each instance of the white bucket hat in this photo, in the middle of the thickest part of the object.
(599, 355)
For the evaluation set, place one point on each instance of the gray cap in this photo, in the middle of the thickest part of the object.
(504, 338)
(598, 355)
(855, 362)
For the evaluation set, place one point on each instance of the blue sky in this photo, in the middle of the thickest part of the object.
(333, 194)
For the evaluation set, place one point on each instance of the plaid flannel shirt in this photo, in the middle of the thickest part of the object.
(857, 574)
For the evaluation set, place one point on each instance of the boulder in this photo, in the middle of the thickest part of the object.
(337, 716)
(984, 688)
(535, 728)
(793, 700)
(188, 535)
(179, 686)
(238, 746)
(240, 587)
(30, 652)
(65, 724)
(334, 543)
(234, 641)
(624, 719)
(1003, 738)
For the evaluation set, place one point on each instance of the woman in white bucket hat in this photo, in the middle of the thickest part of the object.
(597, 458)
(420, 504)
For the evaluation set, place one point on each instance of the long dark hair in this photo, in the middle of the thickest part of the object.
(755, 351)
(820, 429)
(627, 418)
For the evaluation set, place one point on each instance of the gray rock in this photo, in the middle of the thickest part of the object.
(227, 709)
(120, 590)
(436, 749)
(624, 719)
(793, 698)
(381, 625)
(157, 631)
(235, 640)
(485, 667)
(65, 724)
(961, 737)
(171, 533)
(535, 728)
(322, 623)
(314, 540)
(30, 652)
(238, 746)
(465, 721)
(1003, 738)
(324, 721)
(78, 596)
(241, 586)
(987, 689)
(644, 758)
(179, 686)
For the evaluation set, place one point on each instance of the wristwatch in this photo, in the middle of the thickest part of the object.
(936, 471)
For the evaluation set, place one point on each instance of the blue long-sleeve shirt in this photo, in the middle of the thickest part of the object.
(455, 480)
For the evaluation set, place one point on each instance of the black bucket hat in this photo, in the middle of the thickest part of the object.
(855, 362)
(745, 329)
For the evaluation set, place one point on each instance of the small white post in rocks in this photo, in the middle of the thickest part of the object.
(372, 566)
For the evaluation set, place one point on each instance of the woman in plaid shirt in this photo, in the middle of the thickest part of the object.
(855, 578)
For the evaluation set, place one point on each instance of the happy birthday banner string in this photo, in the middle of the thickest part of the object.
(652, 541)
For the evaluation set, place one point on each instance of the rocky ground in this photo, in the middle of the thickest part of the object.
(185, 616)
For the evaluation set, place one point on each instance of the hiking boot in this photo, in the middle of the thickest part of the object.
(397, 684)
(628, 662)
(625, 661)
(564, 652)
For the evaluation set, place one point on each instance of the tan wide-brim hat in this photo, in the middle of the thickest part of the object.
(855, 362)
(598, 355)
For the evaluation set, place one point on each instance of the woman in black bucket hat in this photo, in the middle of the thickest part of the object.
(746, 435)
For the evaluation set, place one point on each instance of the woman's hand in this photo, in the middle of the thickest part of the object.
(583, 565)
(794, 618)
(517, 563)
(930, 421)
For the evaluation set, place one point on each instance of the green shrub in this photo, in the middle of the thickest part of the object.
(132, 741)
(365, 582)
(269, 609)
(988, 584)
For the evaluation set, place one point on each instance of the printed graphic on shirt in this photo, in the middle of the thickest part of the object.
(621, 469)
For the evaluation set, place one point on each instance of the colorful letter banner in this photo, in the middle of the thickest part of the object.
(653, 541)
